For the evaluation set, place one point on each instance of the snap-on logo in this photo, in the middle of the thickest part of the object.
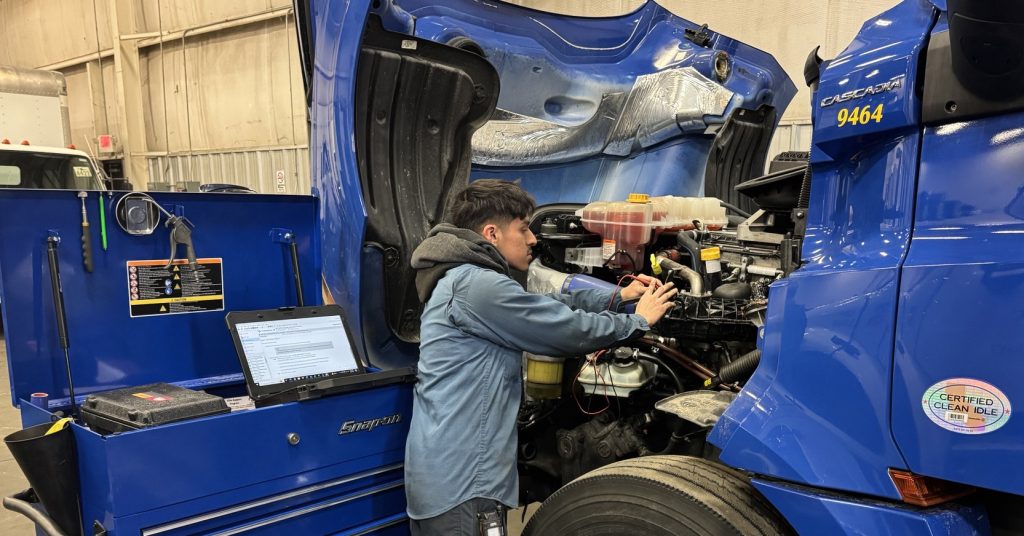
(348, 427)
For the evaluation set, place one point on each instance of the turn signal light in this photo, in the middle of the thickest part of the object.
(925, 490)
(5, 141)
(24, 142)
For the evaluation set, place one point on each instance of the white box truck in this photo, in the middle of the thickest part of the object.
(35, 134)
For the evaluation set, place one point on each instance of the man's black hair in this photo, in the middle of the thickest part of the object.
(489, 201)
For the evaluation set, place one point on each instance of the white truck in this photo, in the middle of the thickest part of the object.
(35, 134)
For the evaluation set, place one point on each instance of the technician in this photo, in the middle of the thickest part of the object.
(460, 458)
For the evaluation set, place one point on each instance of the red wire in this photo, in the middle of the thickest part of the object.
(619, 285)
(593, 360)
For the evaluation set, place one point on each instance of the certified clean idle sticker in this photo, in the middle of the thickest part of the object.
(966, 406)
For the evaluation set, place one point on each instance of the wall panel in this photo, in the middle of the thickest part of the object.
(282, 170)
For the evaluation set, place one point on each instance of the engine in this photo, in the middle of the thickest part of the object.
(660, 394)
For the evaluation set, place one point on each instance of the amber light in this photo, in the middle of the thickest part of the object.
(925, 490)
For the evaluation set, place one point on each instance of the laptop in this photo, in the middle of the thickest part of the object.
(288, 353)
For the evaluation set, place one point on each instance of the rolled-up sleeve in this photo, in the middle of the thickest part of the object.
(495, 308)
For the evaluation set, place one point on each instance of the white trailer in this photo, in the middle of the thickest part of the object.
(34, 107)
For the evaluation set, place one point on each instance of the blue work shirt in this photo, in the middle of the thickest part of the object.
(474, 329)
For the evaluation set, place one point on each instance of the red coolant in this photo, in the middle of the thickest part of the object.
(625, 227)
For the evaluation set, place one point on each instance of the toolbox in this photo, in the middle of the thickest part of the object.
(133, 408)
(175, 468)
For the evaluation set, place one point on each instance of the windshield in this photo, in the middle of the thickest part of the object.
(46, 171)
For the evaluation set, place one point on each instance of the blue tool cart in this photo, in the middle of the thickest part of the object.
(285, 468)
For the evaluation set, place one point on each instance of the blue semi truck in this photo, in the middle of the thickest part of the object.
(874, 281)
(839, 361)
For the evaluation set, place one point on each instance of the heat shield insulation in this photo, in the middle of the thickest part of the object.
(660, 106)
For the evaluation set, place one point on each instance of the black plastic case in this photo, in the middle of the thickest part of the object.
(146, 406)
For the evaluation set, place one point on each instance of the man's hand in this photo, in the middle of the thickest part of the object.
(637, 288)
(655, 302)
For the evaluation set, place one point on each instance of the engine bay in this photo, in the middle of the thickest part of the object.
(662, 393)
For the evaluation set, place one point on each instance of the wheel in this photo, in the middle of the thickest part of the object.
(657, 496)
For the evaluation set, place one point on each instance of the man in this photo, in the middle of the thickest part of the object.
(460, 458)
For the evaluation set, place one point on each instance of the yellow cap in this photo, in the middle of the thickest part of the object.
(655, 265)
(637, 198)
(710, 254)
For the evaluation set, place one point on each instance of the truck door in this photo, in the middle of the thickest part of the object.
(956, 380)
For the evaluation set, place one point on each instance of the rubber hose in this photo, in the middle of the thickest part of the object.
(685, 242)
(804, 200)
(16, 503)
(692, 276)
(740, 369)
(734, 208)
(683, 360)
(668, 370)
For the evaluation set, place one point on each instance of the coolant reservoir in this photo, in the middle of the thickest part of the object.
(625, 227)
(674, 213)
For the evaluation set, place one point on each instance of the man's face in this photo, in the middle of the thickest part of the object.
(513, 241)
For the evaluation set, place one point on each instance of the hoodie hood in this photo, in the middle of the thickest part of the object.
(446, 247)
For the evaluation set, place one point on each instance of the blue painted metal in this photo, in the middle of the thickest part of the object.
(153, 477)
(581, 60)
(108, 348)
(557, 68)
(960, 298)
(817, 409)
(585, 282)
(674, 168)
(812, 511)
(236, 470)
(338, 29)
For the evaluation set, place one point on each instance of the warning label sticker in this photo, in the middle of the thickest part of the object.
(966, 406)
(155, 289)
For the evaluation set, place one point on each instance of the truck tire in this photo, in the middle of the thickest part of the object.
(657, 496)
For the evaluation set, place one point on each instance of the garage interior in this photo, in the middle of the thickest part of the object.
(172, 95)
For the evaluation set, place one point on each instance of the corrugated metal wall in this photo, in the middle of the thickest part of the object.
(276, 170)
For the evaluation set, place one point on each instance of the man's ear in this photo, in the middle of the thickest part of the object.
(490, 232)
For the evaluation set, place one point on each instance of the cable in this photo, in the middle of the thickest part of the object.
(734, 208)
(592, 360)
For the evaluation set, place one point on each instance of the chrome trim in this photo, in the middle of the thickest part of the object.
(399, 521)
(308, 510)
(261, 502)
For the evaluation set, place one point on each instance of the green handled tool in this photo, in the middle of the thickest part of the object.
(103, 224)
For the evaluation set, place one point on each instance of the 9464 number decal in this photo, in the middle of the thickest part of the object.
(859, 115)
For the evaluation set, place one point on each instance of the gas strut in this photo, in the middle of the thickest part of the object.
(58, 307)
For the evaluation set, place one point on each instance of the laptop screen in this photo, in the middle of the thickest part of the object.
(311, 349)
(284, 349)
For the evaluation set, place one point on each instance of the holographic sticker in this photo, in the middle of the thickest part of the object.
(966, 406)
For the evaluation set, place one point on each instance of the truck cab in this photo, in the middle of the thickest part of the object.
(28, 166)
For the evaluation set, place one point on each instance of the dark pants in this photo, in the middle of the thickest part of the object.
(459, 521)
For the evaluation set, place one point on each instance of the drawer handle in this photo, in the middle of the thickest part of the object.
(293, 439)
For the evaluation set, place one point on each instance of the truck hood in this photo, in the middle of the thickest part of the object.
(435, 94)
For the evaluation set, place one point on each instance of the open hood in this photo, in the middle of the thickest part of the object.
(410, 99)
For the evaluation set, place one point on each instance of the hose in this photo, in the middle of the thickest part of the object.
(685, 242)
(19, 503)
(643, 356)
(734, 208)
(804, 200)
(740, 369)
(683, 360)
(691, 276)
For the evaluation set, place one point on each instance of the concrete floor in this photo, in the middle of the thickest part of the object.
(11, 479)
